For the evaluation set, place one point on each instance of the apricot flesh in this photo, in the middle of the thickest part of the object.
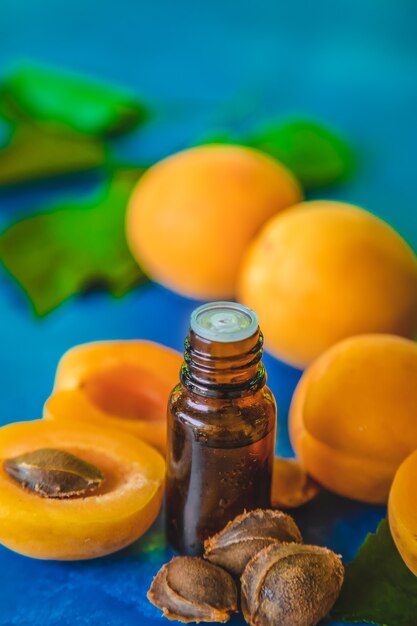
(352, 418)
(291, 485)
(112, 517)
(119, 384)
(192, 215)
(402, 511)
(325, 271)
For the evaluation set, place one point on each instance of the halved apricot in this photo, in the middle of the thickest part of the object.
(291, 485)
(120, 384)
(110, 518)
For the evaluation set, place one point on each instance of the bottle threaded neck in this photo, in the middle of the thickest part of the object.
(223, 369)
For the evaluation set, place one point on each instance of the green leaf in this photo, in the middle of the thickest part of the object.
(378, 587)
(36, 151)
(317, 156)
(45, 94)
(74, 247)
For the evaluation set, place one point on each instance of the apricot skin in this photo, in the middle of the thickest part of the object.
(402, 511)
(118, 384)
(352, 418)
(192, 215)
(325, 271)
(80, 528)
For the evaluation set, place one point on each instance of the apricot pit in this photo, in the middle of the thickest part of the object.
(190, 589)
(246, 535)
(290, 585)
(54, 473)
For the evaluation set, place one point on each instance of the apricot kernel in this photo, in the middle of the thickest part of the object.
(54, 473)
(290, 585)
(190, 589)
(246, 535)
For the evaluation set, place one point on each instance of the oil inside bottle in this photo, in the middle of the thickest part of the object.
(221, 428)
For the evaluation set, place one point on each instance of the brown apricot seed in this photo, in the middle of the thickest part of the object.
(54, 473)
(247, 534)
(290, 585)
(190, 589)
(174, 607)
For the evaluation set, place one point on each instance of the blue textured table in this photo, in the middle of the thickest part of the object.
(202, 67)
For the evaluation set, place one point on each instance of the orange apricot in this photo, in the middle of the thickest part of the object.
(352, 418)
(102, 522)
(119, 384)
(291, 485)
(402, 511)
(192, 215)
(325, 271)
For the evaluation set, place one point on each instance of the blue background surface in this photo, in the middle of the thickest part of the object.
(229, 64)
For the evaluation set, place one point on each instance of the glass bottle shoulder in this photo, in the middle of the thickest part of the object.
(224, 420)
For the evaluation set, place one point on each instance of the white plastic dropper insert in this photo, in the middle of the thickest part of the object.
(224, 321)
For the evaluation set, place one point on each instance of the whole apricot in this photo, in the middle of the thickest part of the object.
(117, 384)
(402, 511)
(353, 415)
(325, 271)
(37, 523)
(192, 215)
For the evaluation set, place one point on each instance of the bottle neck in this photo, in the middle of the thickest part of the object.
(223, 369)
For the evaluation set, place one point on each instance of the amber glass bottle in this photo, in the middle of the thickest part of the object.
(221, 427)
